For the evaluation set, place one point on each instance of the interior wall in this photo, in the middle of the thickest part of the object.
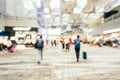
(29, 23)
(106, 26)
(1, 24)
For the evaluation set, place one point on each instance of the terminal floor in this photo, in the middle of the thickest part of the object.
(103, 63)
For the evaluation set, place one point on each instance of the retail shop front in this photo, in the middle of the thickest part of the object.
(22, 35)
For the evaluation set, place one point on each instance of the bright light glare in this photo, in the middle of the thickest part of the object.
(54, 4)
(46, 10)
(39, 3)
(56, 31)
(28, 5)
(57, 21)
(21, 28)
(79, 6)
(76, 11)
(111, 31)
(55, 7)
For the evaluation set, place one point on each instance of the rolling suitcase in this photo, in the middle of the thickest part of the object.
(84, 55)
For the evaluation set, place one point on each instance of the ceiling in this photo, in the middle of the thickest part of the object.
(80, 12)
(61, 12)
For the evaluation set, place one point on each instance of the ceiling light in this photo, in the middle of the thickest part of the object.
(111, 31)
(22, 28)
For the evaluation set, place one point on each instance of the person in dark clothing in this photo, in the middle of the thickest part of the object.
(55, 42)
(40, 46)
(77, 47)
(67, 47)
(52, 43)
(63, 43)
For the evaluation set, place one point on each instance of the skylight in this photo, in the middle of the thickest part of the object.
(57, 21)
(28, 4)
(79, 6)
(54, 4)
(38, 3)
(55, 7)
(65, 17)
(46, 10)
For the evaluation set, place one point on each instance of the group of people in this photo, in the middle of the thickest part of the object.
(104, 41)
(40, 45)
(54, 43)
(66, 44)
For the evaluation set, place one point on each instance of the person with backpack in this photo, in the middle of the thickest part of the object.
(77, 47)
(39, 45)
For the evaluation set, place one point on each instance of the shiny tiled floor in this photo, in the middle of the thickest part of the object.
(103, 63)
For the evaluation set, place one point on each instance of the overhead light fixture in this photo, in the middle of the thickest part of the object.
(22, 28)
(111, 31)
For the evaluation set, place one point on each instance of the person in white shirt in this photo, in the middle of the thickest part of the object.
(9, 44)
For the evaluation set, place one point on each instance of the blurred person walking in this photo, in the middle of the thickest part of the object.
(77, 47)
(55, 43)
(63, 43)
(39, 45)
(52, 43)
(9, 44)
(69, 44)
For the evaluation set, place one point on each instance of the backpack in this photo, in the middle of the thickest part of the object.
(77, 43)
(40, 44)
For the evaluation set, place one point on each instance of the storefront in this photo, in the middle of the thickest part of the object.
(23, 35)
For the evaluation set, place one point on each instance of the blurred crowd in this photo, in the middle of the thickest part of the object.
(65, 43)
(105, 41)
